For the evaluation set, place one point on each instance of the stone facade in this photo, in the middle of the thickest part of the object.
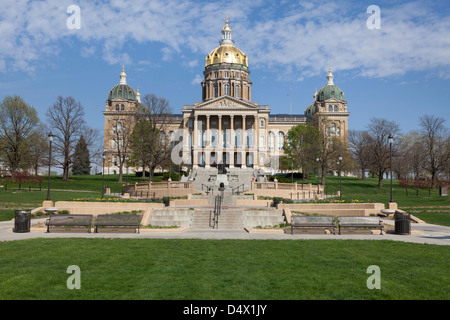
(226, 127)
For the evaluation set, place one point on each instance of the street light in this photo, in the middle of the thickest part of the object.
(103, 174)
(318, 190)
(391, 140)
(109, 165)
(128, 159)
(50, 140)
(340, 178)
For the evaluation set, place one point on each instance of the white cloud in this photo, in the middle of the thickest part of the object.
(300, 36)
(197, 80)
(87, 51)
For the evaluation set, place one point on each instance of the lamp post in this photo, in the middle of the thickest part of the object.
(317, 161)
(128, 159)
(50, 140)
(109, 165)
(391, 140)
(340, 178)
(103, 174)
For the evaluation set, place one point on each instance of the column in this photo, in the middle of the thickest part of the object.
(220, 141)
(195, 143)
(243, 140)
(231, 141)
(256, 143)
(243, 134)
(208, 133)
(207, 149)
(186, 148)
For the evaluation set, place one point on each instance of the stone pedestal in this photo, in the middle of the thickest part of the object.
(392, 206)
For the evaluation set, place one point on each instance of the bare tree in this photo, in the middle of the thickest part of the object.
(121, 133)
(379, 131)
(94, 140)
(411, 156)
(436, 143)
(360, 149)
(329, 148)
(148, 141)
(65, 119)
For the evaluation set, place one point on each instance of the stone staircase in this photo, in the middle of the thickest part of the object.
(228, 219)
(231, 216)
(235, 177)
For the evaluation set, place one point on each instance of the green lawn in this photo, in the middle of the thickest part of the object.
(353, 188)
(222, 269)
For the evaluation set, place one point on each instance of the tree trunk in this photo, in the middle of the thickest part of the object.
(380, 180)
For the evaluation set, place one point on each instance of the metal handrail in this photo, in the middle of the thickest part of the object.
(237, 189)
(208, 188)
(214, 219)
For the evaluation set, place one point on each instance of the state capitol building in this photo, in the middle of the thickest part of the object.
(226, 127)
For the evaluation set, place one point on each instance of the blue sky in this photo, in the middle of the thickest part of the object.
(398, 72)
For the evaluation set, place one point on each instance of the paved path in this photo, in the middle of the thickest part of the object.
(422, 233)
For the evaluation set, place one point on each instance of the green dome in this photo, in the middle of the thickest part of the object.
(330, 92)
(311, 110)
(122, 91)
(141, 108)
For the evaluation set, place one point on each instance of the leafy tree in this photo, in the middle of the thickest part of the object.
(81, 160)
(17, 122)
(301, 145)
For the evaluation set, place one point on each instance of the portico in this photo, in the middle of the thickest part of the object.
(225, 131)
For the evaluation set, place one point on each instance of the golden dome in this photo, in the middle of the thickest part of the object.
(226, 52)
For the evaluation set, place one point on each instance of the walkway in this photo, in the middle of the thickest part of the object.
(421, 233)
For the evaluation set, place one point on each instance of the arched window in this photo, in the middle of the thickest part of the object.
(280, 140)
(162, 138)
(333, 129)
(122, 107)
(117, 107)
(271, 140)
(330, 108)
(227, 89)
(119, 127)
(171, 139)
(332, 94)
(236, 92)
(336, 108)
(216, 91)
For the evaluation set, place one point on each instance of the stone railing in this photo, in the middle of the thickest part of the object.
(292, 191)
(159, 189)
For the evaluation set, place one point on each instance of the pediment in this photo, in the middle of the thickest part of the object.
(226, 103)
